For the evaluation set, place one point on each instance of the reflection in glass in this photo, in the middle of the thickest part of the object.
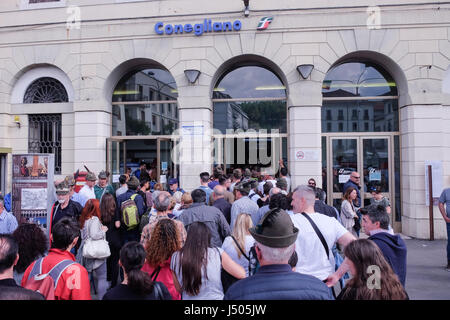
(249, 82)
(379, 115)
(344, 161)
(145, 119)
(142, 119)
(376, 164)
(358, 79)
(254, 115)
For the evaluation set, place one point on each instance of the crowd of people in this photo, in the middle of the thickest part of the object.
(247, 235)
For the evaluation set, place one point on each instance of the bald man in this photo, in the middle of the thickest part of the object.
(220, 203)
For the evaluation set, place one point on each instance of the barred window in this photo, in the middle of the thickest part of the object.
(45, 136)
(46, 90)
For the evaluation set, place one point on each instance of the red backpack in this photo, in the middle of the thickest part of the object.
(46, 283)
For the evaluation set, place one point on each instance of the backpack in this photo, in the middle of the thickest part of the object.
(46, 283)
(130, 213)
(145, 219)
(253, 264)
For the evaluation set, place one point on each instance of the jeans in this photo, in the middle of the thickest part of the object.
(448, 243)
(99, 277)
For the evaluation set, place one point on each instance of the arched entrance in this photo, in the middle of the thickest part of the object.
(144, 116)
(360, 132)
(250, 118)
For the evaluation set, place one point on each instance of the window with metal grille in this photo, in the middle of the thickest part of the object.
(45, 90)
(45, 136)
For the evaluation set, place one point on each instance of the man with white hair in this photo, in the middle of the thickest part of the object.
(318, 234)
(275, 238)
(220, 203)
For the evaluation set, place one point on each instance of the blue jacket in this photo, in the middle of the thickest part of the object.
(394, 251)
(279, 282)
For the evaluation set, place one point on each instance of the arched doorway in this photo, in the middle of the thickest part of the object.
(144, 116)
(250, 119)
(360, 132)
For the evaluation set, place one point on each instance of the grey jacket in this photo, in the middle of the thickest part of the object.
(212, 217)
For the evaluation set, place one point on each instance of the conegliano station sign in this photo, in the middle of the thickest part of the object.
(199, 28)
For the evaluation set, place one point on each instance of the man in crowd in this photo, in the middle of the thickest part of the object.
(444, 200)
(162, 203)
(173, 186)
(9, 256)
(75, 196)
(88, 189)
(243, 204)
(103, 186)
(64, 207)
(313, 254)
(220, 203)
(375, 221)
(131, 193)
(8, 222)
(204, 180)
(236, 178)
(321, 207)
(73, 283)
(264, 209)
(275, 244)
(123, 185)
(211, 216)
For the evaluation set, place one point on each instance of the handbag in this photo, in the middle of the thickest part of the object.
(228, 279)
(96, 249)
(357, 225)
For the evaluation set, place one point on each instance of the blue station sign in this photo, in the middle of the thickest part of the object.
(198, 28)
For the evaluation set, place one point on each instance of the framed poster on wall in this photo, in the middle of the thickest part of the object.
(32, 187)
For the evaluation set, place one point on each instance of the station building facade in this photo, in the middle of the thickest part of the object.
(189, 85)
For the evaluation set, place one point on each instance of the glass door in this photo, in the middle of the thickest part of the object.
(371, 156)
(115, 158)
(343, 160)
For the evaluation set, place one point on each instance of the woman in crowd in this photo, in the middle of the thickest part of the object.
(137, 285)
(348, 213)
(196, 268)
(365, 260)
(33, 244)
(238, 245)
(186, 201)
(107, 210)
(162, 244)
(93, 229)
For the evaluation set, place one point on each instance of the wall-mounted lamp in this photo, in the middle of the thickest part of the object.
(17, 121)
(192, 75)
(305, 70)
(247, 9)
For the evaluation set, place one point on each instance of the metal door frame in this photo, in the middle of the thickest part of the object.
(331, 195)
(124, 140)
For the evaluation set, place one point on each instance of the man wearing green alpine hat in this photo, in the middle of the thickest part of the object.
(275, 237)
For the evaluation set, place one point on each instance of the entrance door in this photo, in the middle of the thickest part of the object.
(123, 154)
(371, 156)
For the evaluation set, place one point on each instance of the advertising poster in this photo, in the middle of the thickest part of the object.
(32, 187)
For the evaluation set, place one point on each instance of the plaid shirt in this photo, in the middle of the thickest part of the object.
(148, 229)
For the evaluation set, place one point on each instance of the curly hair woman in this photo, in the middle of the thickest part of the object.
(33, 244)
(162, 244)
(365, 260)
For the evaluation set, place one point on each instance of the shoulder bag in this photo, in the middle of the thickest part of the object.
(96, 249)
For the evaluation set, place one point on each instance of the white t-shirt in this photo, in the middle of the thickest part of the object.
(228, 247)
(312, 258)
(87, 192)
(211, 288)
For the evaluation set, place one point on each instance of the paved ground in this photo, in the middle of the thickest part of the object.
(427, 278)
